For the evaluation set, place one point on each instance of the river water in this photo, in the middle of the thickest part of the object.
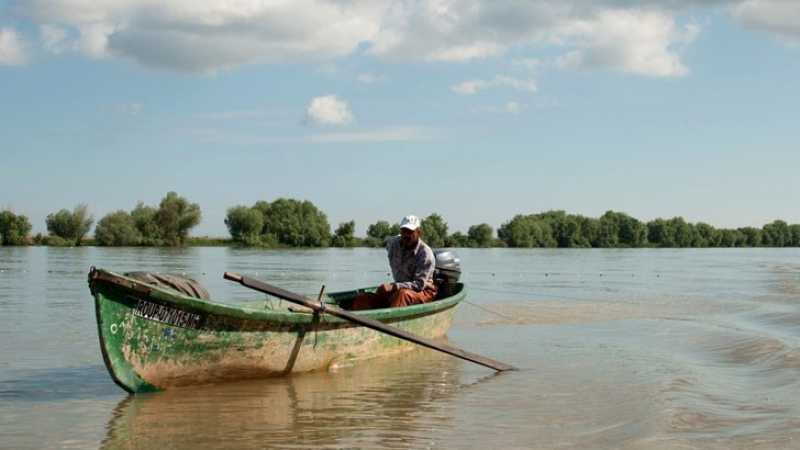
(617, 349)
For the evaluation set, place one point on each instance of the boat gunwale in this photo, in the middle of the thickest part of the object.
(245, 311)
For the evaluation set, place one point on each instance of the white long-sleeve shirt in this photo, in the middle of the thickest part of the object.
(411, 268)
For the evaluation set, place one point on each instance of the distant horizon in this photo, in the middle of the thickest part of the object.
(451, 230)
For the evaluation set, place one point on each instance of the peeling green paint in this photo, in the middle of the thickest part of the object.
(238, 342)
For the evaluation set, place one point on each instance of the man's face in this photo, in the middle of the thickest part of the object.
(409, 237)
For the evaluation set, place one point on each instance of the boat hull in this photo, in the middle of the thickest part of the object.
(154, 339)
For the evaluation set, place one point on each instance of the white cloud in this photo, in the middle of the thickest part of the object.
(470, 87)
(777, 17)
(622, 35)
(53, 38)
(513, 108)
(128, 109)
(329, 110)
(473, 86)
(207, 36)
(571, 59)
(368, 78)
(635, 41)
(466, 51)
(436, 30)
(507, 109)
(516, 83)
(529, 64)
(14, 51)
(93, 40)
(134, 109)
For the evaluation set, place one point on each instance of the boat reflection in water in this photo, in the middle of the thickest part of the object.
(390, 403)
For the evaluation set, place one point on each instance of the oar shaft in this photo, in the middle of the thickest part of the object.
(366, 322)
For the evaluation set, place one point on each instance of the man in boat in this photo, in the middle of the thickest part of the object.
(412, 263)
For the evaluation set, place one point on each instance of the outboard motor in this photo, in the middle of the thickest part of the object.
(447, 272)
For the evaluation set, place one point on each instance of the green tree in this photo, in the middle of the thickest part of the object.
(526, 232)
(481, 235)
(617, 229)
(169, 224)
(752, 236)
(559, 229)
(144, 219)
(659, 233)
(245, 224)
(608, 235)
(732, 238)
(677, 233)
(794, 231)
(516, 232)
(175, 218)
(567, 232)
(458, 239)
(344, 236)
(296, 224)
(263, 207)
(14, 229)
(707, 236)
(379, 233)
(434, 230)
(117, 229)
(776, 234)
(71, 227)
(589, 231)
(684, 232)
(631, 232)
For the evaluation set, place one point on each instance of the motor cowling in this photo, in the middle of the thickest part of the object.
(447, 272)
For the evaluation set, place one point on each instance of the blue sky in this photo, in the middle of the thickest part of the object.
(477, 110)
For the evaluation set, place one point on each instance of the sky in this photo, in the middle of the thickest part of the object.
(475, 110)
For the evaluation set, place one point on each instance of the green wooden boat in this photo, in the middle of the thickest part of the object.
(153, 337)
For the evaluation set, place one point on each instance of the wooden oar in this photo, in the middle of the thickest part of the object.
(364, 321)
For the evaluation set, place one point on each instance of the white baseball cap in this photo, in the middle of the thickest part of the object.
(410, 222)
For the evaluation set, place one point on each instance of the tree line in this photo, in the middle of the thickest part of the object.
(295, 223)
(168, 224)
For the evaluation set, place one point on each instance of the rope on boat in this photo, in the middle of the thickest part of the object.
(488, 310)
